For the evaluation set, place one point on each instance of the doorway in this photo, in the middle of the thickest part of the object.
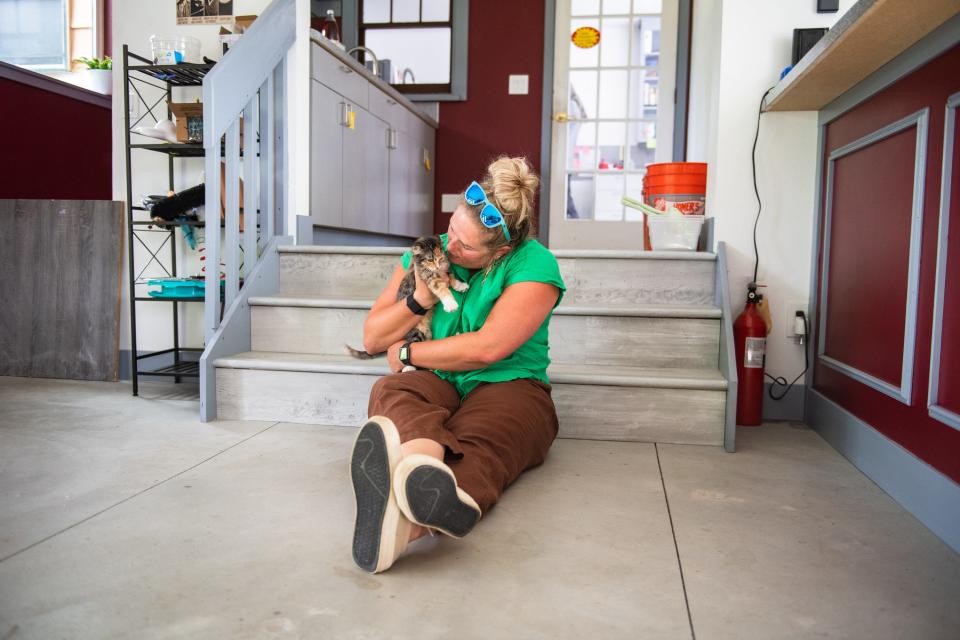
(614, 74)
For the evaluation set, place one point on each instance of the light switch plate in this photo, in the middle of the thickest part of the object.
(449, 202)
(519, 85)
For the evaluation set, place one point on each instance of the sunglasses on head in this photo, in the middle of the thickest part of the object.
(490, 216)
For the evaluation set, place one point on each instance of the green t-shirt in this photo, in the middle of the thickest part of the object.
(530, 262)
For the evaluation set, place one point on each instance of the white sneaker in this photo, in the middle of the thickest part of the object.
(428, 495)
(381, 532)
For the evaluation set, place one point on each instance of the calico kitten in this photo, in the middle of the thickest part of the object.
(433, 267)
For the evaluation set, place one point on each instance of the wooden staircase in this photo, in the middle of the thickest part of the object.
(636, 346)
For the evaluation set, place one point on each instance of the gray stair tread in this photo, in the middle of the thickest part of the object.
(559, 253)
(702, 379)
(646, 311)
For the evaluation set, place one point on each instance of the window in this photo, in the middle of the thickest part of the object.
(47, 35)
(425, 42)
(618, 122)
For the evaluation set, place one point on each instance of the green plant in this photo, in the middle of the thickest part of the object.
(96, 63)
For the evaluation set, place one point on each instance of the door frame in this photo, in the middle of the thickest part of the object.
(681, 102)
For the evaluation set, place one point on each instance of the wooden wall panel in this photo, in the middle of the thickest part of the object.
(867, 293)
(60, 290)
(908, 423)
(949, 387)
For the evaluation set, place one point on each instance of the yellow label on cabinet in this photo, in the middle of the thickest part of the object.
(426, 160)
(586, 37)
(352, 119)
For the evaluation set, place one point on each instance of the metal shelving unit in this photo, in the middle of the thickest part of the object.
(140, 73)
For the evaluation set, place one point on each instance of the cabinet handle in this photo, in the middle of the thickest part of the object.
(391, 138)
(391, 101)
(344, 114)
(345, 68)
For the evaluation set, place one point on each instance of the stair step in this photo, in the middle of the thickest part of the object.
(644, 311)
(650, 335)
(593, 402)
(707, 379)
(598, 278)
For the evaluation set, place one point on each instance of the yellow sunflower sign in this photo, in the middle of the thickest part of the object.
(586, 37)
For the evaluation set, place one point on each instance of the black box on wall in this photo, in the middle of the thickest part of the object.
(803, 41)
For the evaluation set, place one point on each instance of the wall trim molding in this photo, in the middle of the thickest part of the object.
(59, 87)
(904, 391)
(930, 496)
(936, 411)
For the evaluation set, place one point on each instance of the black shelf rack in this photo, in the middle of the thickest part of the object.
(141, 77)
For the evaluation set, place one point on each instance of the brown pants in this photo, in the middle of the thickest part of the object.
(500, 430)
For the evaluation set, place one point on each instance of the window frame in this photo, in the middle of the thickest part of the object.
(456, 90)
(97, 36)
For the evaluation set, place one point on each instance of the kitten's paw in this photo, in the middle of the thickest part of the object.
(459, 285)
(449, 304)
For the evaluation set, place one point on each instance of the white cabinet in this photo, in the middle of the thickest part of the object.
(365, 173)
(411, 183)
(326, 142)
(371, 156)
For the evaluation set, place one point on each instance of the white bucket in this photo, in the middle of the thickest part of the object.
(674, 233)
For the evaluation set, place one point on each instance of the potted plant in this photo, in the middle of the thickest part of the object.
(96, 76)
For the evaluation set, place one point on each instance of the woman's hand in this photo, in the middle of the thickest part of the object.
(393, 357)
(424, 297)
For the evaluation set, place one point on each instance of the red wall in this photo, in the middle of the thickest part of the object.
(506, 38)
(53, 146)
(868, 265)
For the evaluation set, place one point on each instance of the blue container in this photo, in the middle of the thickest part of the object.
(179, 288)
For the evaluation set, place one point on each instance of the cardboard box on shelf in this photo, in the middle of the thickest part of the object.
(189, 116)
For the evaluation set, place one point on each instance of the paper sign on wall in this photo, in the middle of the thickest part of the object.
(204, 12)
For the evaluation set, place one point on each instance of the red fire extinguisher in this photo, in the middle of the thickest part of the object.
(750, 342)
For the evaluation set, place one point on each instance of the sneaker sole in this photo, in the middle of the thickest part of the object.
(431, 496)
(371, 475)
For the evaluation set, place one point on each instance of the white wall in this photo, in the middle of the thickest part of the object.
(739, 49)
(134, 21)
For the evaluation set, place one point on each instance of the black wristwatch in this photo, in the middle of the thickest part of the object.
(414, 306)
(405, 354)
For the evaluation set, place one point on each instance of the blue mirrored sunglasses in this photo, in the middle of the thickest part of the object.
(490, 216)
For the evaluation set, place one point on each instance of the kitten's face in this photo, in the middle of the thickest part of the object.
(429, 253)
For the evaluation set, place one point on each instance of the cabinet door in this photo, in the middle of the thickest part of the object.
(402, 217)
(411, 182)
(424, 171)
(365, 173)
(326, 140)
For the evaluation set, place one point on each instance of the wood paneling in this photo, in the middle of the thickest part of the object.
(949, 387)
(53, 146)
(60, 288)
(908, 424)
(865, 280)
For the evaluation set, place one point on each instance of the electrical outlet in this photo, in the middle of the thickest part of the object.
(791, 315)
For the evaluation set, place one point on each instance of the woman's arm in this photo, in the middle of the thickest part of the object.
(516, 316)
(390, 319)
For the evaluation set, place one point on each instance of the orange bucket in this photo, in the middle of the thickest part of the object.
(681, 184)
(677, 168)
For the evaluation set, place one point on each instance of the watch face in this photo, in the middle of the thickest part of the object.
(403, 353)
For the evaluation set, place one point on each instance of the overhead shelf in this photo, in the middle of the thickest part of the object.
(869, 35)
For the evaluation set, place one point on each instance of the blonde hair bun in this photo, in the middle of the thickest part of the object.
(514, 187)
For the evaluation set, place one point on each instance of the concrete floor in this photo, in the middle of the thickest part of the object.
(125, 517)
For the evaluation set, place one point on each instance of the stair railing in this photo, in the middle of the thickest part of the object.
(250, 82)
